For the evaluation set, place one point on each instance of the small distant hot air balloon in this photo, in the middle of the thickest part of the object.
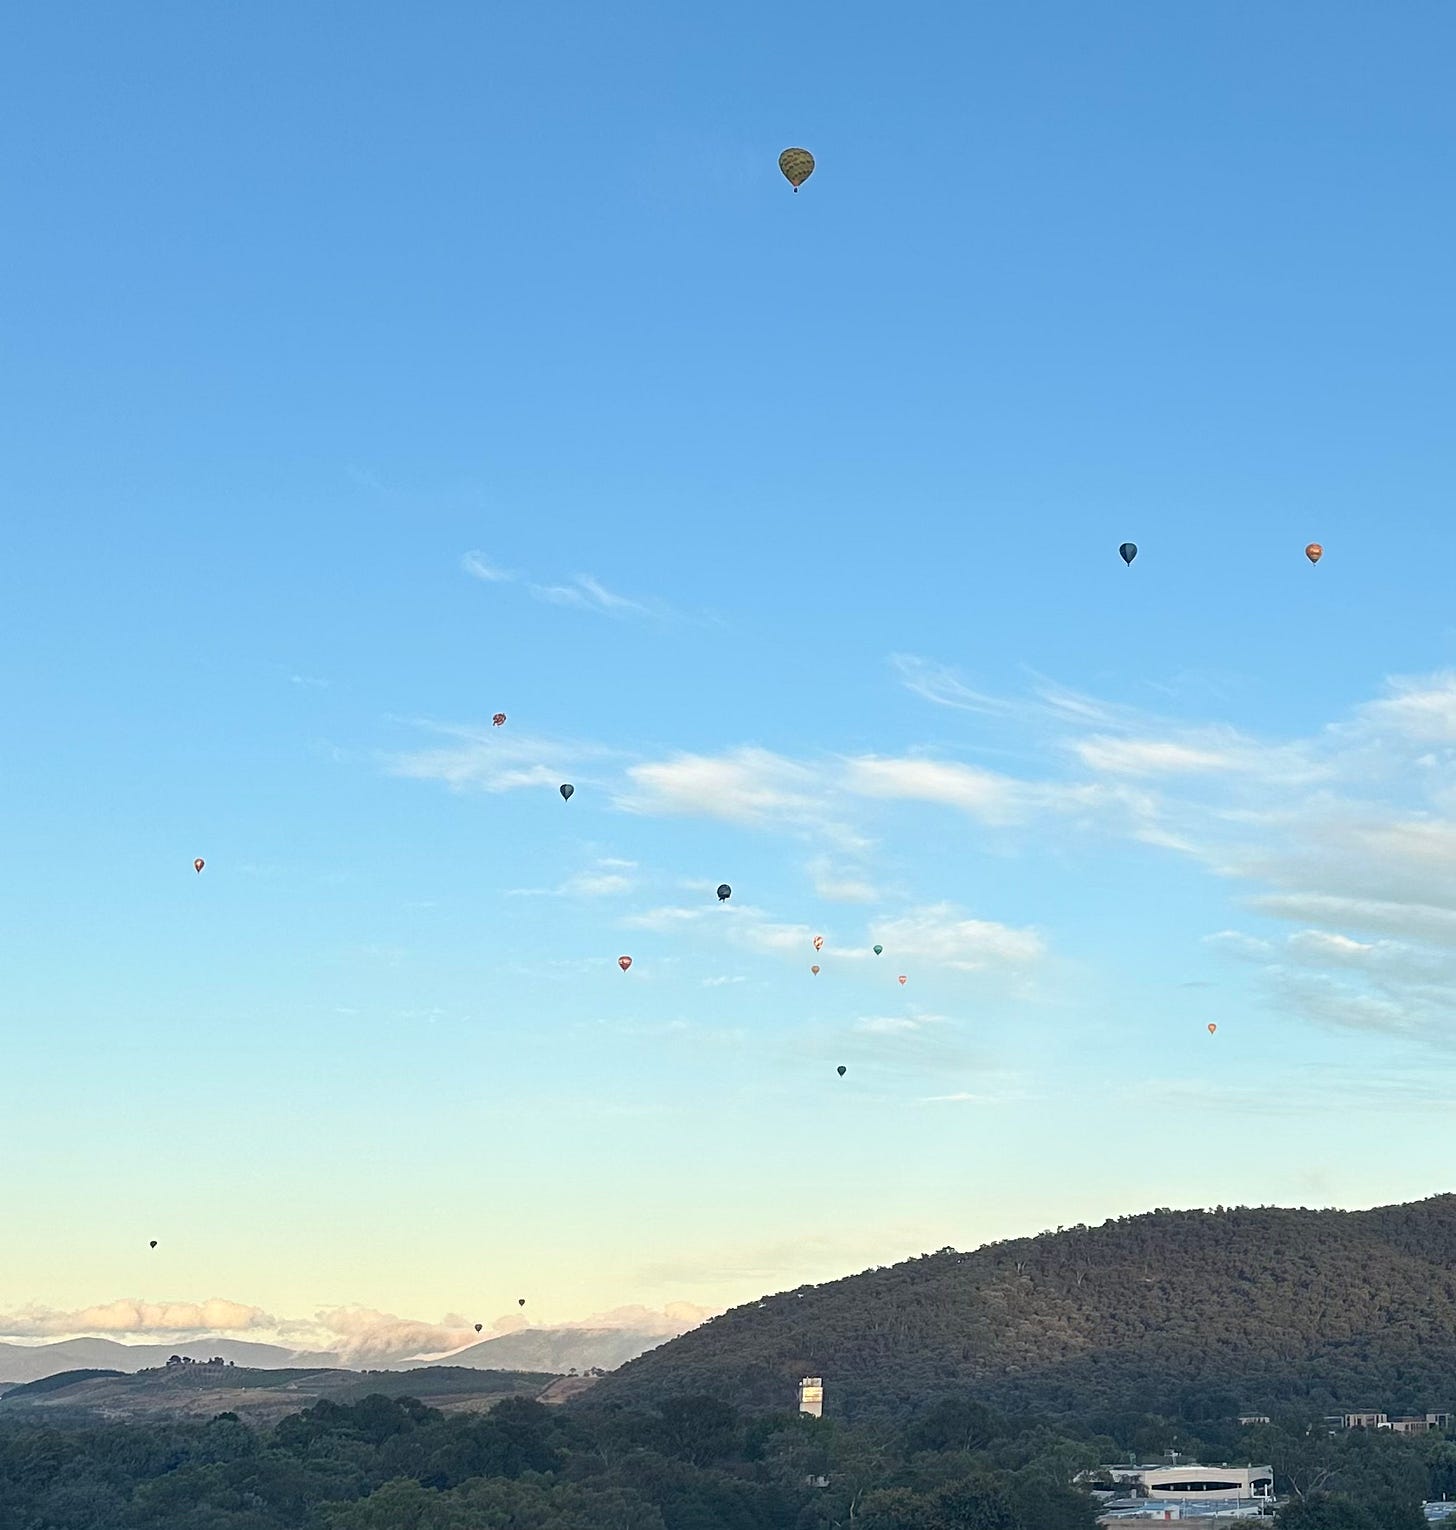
(479, 1326)
(1314, 552)
(814, 970)
(902, 977)
(499, 719)
(152, 1244)
(818, 942)
(878, 950)
(566, 790)
(724, 892)
(840, 1070)
(198, 864)
(797, 166)
(1129, 552)
(521, 1301)
(1211, 1027)
(624, 962)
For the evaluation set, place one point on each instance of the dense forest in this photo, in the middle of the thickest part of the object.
(693, 1463)
(1331, 1310)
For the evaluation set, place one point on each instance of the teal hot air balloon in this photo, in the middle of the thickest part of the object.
(566, 790)
(878, 950)
(1129, 552)
(840, 1070)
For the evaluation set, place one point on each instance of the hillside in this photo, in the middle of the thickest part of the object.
(1269, 1307)
(259, 1397)
(557, 1349)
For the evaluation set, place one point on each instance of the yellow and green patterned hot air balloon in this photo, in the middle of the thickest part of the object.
(797, 165)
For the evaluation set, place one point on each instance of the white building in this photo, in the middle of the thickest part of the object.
(811, 1396)
(1192, 1483)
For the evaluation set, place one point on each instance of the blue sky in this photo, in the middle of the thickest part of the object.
(371, 369)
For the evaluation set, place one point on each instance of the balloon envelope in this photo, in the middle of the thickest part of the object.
(797, 166)
(902, 977)
(624, 962)
(818, 942)
(878, 949)
(1211, 1028)
(724, 892)
(1314, 552)
(566, 791)
(814, 970)
(840, 1070)
(521, 1302)
(498, 719)
(1128, 551)
(152, 1244)
(198, 865)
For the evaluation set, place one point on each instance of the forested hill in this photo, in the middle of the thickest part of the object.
(1262, 1306)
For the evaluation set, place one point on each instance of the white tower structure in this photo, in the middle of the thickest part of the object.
(811, 1396)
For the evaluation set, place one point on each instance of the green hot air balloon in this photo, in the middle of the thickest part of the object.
(1129, 552)
(566, 791)
(797, 166)
(878, 950)
(840, 1070)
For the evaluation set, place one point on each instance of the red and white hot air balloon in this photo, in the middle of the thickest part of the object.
(902, 977)
(1314, 552)
(499, 719)
(624, 962)
(818, 942)
(1211, 1027)
(198, 864)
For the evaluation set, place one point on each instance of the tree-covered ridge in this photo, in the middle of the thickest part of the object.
(1269, 1306)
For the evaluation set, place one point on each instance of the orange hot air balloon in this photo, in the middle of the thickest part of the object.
(1211, 1027)
(818, 942)
(498, 719)
(198, 864)
(902, 977)
(624, 962)
(814, 970)
(1314, 552)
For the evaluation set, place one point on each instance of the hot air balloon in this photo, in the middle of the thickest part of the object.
(1314, 552)
(624, 962)
(152, 1244)
(797, 166)
(878, 950)
(902, 977)
(499, 719)
(818, 942)
(521, 1301)
(814, 970)
(840, 1070)
(198, 864)
(566, 791)
(1129, 552)
(724, 892)
(1211, 1027)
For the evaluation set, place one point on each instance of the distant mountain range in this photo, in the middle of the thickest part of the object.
(548, 1350)
(1239, 1309)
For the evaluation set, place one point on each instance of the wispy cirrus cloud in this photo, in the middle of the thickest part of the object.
(583, 591)
(478, 566)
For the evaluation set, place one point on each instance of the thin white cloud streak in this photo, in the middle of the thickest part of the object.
(479, 567)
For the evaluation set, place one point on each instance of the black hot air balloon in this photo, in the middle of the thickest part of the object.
(521, 1302)
(152, 1244)
(840, 1070)
(724, 892)
(1129, 552)
(566, 791)
(479, 1326)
